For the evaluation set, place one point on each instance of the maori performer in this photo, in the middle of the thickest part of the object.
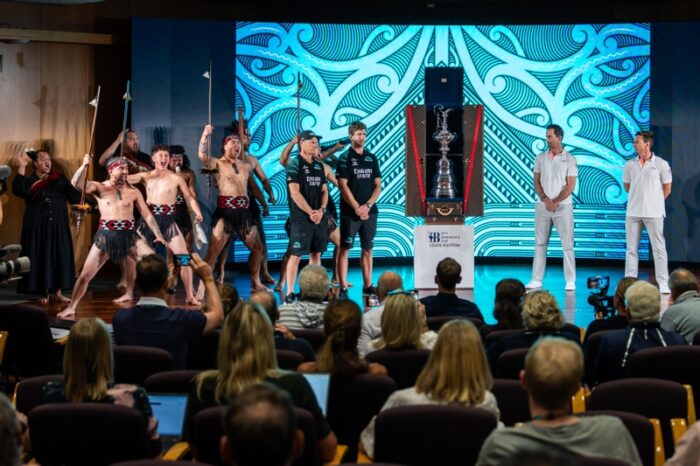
(162, 187)
(116, 238)
(137, 161)
(232, 214)
(180, 164)
(46, 237)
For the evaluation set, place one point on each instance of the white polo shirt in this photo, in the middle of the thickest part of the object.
(554, 173)
(646, 197)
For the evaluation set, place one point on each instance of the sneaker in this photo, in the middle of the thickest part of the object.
(289, 299)
(664, 289)
(570, 286)
(370, 290)
(343, 293)
(533, 285)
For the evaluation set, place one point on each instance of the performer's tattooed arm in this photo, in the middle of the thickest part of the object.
(148, 217)
(284, 157)
(110, 150)
(191, 200)
(203, 150)
(78, 178)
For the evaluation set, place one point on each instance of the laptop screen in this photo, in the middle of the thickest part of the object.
(319, 384)
(169, 409)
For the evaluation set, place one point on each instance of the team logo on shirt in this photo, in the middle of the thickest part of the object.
(368, 159)
(353, 162)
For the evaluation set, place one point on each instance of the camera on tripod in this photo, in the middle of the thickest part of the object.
(603, 304)
(10, 269)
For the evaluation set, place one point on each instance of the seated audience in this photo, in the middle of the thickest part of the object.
(552, 375)
(683, 316)
(687, 451)
(307, 312)
(620, 319)
(152, 323)
(541, 316)
(10, 434)
(88, 375)
(456, 373)
(229, 299)
(644, 304)
(260, 428)
(339, 355)
(507, 306)
(446, 302)
(372, 318)
(403, 325)
(247, 356)
(284, 339)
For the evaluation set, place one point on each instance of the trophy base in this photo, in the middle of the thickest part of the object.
(444, 211)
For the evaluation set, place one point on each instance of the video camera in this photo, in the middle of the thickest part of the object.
(5, 172)
(602, 303)
(10, 269)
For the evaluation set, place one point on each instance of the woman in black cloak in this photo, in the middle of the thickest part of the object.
(46, 235)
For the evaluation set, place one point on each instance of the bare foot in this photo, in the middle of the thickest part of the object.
(67, 312)
(200, 296)
(60, 298)
(193, 301)
(267, 280)
(44, 300)
(279, 286)
(124, 298)
(255, 287)
(121, 286)
(336, 282)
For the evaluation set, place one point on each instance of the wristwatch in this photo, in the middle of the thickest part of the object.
(323, 209)
(369, 205)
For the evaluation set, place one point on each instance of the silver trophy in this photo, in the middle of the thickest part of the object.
(444, 180)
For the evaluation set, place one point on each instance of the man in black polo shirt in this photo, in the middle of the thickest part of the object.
(446, 303)
(308, 194)
(360, 183)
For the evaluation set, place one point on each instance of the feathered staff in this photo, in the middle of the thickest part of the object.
(82, 209)
(208, 171)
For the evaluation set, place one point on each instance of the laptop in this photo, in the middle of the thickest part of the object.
(320, 384)
(169, 409)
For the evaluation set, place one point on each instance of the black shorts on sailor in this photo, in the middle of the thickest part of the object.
(349, 227)
(306, 237)
(115, 238)
(234, 211)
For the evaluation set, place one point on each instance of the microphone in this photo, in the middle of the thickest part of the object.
(5, 171)
(10, 249)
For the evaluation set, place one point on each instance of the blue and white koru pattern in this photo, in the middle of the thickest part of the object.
(593, 80)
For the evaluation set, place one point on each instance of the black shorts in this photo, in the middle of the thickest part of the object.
(350, 227)
(306, 237)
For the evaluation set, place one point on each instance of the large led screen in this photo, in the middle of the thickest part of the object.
(593, 80)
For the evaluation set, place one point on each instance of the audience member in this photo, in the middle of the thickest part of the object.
(620, 319)
(229, 299)
(403, 325)
(307, 311)
(284, 339)
(446, 302)
(456, 373)
(260, 428)
(152, 323)
(247, 356)
(552, 375)
(644, 304)
(541, 316)
(683, 316)
(372, 318)
(10, 434)
(687, 451)
(507, 306)
(88, 375)
(339, 355)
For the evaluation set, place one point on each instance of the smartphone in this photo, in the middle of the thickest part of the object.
(183, 259)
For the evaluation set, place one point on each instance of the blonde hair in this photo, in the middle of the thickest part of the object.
(457, 371)
(644, 302)
(541, 312)
(553, 371)
(88, 361)
(246, 353)
(401, 323)
(338, 355)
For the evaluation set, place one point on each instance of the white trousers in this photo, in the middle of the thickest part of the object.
(563, 220)
(655, 230)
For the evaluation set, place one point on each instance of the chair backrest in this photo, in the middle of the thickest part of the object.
(651, 398)
(696, 339)
(403, 366)
(202, 351)
(158, 462)
(590, 354)
(208, 429)
(512, 401)
(28, 392)
(639, 427)
(510, 363)
(498, 334)
(352, 402)
(677, 363)
(134, 364)
(435, 323)
(170, 382)
(288, 360)
(431, 434)
(30, 349)
(572, 329)
(315, 336)
(87, 433)
(599, 461)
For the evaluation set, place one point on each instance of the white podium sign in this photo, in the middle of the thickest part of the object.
(432, 243)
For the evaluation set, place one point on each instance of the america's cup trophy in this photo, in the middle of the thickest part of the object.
(444, 180)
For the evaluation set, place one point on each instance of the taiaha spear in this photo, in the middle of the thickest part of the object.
(299, 86)
(208, 170)
(82, 209)
(241, 134)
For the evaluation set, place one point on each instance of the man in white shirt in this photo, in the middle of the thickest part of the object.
(556, 171)
(647, 179)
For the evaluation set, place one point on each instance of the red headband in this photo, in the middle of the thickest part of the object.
(114, 163)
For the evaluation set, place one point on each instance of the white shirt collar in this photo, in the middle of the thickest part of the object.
(151, 301)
